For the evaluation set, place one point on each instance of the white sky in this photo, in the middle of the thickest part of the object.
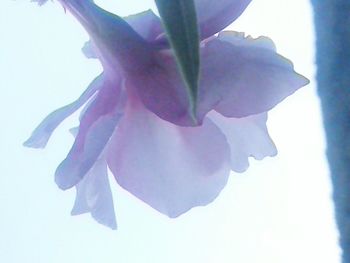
(278, 211)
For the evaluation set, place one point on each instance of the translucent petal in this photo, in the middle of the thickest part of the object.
(214, 16)
(42, 133)
(247, 137)
(94, 195)
(242, 76)
(96, 127)
(169, 167)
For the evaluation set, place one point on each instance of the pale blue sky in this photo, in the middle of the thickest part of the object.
(278, 211)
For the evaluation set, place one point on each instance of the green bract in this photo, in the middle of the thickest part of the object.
(180, 23)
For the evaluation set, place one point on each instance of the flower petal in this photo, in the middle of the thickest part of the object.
(162, 90)
(89, 50)
(214, 16)
(239, 77)
(40, 2)
(94, 196)
(171, 168)
(146, 24)
(115, 42)
(247, 137)
(244, 76)
(42, 133)
(96, 128)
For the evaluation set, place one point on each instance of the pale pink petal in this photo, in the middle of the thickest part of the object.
(243, 76)
(94, 196)
(171, 168)
(214, 15)
(42, 133)
(247, 137)
(96, 128)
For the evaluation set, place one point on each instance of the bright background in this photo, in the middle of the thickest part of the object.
(280, 211)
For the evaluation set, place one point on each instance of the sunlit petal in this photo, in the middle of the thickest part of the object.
(242, 76)
(247, 137)
(42, 133)
(94, 195)
(169, 167)
(96, 128)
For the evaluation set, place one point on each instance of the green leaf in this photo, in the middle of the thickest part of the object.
(180, 23)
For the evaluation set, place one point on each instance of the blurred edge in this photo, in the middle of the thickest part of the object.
(332, 25)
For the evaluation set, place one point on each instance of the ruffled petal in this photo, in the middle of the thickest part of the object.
(247, 137)
(94, 196)
(244, 76)
(42, 133)
(239, 77)
(96, 128)
(214, 16)
(171, 168)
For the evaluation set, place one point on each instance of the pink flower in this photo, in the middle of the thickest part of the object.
(136, 119)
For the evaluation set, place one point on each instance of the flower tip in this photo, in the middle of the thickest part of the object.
(274, 153)
(173, 213)
(302, 80)
(110, 226)
(110, 223)
(39, 2)
(78, 210)
(239, 168)
(28, 144)
(306, 81)
(62, 181)
(33, 143)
